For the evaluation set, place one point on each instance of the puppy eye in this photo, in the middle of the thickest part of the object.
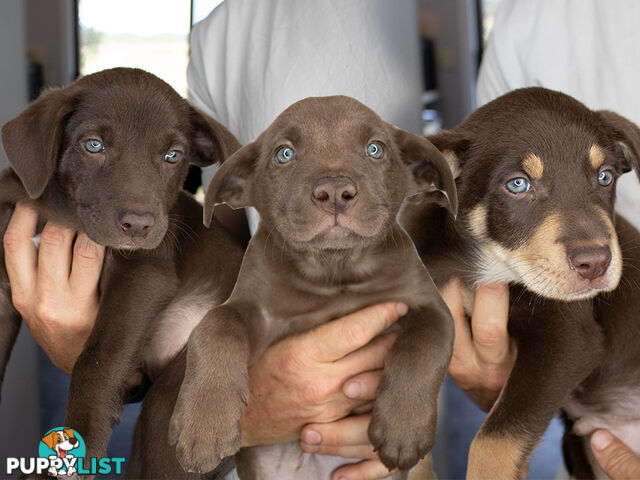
(285, 155)
(605, 177)
(172, 156)
(518, 185)
(374, 150)
(93, 145)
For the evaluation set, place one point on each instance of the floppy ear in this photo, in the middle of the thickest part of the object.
(69, 432)
(211, 141)
(49, 440)
(429, 169)
(232, 183)
(452, 144)
(627, 135)
(33, 139)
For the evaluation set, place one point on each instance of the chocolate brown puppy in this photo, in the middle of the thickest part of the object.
(536, 174)
(108, 156)
(328, 177)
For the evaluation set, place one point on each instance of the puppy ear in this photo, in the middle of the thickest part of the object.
(232, 183)
(211, 141)
(430, 170)
(452, 144)
(49, 440)
(33, 139)
(69, 432)
(627, 135)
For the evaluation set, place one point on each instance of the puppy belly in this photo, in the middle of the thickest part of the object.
(620, 414)
(288, 462)
(175, 325)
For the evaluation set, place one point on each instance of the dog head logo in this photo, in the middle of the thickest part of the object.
(63, 446)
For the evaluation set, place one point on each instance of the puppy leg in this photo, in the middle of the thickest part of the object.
(9, 318)
(130, 302)
(205, 425)
(403, 425)
(554, 356)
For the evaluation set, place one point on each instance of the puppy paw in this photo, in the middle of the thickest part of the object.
(205, 425)
(401, 433)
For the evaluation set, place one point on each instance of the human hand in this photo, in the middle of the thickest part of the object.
(55, 289)
(303, 378)
(483, 352)
(616, 459)
(346, 438)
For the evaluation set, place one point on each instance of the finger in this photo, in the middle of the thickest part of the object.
(363, 386)
(370, 357)
(347, 432)
(54, 258)
(86, 266)
(21, 257)
(334, 340)
(358, 451)
(463, 349)
(365, 470)
(489, 323)
(616, 459)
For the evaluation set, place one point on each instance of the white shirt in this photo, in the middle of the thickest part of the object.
(589, 49)
(251, 59)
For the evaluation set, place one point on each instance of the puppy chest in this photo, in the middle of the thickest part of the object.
(617, 411)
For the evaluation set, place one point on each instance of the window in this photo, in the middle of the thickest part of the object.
(148, 34)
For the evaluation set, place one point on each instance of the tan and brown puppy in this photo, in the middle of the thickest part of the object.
(536, 174)
(108, 156)
(328, 178)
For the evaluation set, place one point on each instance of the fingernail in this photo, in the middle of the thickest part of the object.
(352, 390)
(311, 437)
(601, 440)
(402, 308)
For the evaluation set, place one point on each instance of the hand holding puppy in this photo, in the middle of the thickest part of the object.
(483, 352)
(55, 289)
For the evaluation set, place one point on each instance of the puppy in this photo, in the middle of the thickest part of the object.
(536, 174)
(328, 178)
(108, 156)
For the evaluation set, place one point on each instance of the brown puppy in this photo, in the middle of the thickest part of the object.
(108, 156)
(328, 177)
(536, 174)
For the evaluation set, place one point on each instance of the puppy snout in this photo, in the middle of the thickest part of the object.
(590, 262)
(334, 194)
(136, 224)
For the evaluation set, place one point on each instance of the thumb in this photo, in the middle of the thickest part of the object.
(615, 458)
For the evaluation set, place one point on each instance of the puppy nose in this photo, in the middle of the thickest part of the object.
(590, 262)
(136, 224)
(334, 194)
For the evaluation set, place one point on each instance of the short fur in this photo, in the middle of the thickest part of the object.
(139, 118)
(573, 267)
(305, 266)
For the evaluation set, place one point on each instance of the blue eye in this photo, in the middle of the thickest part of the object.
(605, 177)
(93, 146)
(518, 185)
(374, 150)
(172, 156)
(285, 155)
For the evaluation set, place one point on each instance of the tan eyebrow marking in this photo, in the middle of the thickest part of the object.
(532, 165)
(596, 156)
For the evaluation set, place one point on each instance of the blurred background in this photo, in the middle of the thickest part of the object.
(48, 43)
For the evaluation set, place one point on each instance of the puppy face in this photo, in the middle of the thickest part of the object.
(536, 173)
(330, 174)
(116, 146)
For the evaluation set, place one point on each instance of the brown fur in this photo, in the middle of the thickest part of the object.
(301, 270)
(139, 118)
(576, 342)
